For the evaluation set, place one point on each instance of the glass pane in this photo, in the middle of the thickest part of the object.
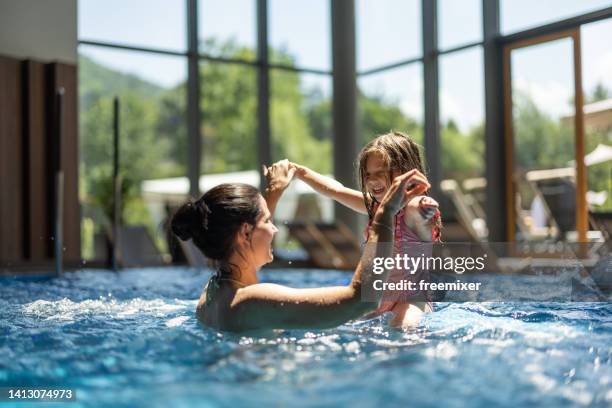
(153, 141)
(392, 100)
(143, 23)
(229, 117)
(459, 22)
(300, 110)
(544, 148)
(300, 33)
(227, 28)
(597, 84)
(388, 31)
(462, 135)
(517, 15)
(301, 122)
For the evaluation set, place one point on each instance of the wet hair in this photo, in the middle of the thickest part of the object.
(398, 152)
(213, 221)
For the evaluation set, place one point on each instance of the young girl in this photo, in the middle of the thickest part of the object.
(380, 161)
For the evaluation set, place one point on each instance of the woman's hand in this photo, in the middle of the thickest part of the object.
(279, 175)
(403, 188)
(417, 187)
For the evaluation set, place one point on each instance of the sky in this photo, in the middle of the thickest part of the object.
(387, 31)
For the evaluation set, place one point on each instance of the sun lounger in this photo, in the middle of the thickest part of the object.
(330, 246)
(474, 228)
(135, 248)
(557, 188)
(192, 254)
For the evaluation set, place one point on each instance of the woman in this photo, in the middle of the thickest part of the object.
(232, 225)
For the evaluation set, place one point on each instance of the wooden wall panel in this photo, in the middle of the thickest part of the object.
(36, 204)
(11, 195)
(28, 144)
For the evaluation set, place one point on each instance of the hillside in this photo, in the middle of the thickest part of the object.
(96, 80)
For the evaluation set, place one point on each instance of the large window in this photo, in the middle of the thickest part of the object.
(153, 135)
(138, 52)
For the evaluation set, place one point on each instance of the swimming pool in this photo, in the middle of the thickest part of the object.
(131, 339)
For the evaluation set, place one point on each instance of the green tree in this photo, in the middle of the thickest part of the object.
(540, 142)
(462, 154)
(379, 115)
(600, 93)
(144, 151)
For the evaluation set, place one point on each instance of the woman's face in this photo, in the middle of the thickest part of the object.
(262, 235)
(377, 176)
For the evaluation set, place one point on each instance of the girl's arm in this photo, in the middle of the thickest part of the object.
(270, 306)
(331, 188)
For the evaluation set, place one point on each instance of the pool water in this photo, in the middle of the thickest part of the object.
(131, 339)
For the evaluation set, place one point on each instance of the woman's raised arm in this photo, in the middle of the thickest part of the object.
(278, 177)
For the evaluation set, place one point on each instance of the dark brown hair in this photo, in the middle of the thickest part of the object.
(213, 220)
(397, 151)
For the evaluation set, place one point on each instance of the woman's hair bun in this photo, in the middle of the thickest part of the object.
(186, 221)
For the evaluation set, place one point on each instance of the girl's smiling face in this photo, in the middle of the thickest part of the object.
(377, 179)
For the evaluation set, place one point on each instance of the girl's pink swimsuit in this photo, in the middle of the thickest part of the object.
(407, 242)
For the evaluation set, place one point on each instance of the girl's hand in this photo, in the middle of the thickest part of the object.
(300, 171)
(420, 216)
(279, 175)
(424, 206)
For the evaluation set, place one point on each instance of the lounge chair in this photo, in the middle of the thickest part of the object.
(135, 248)
(330, 246)
(470, 226)
(602, 221)
(558, 189)
(475, 193)
(192, 254)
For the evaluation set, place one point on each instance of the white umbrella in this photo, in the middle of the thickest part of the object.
(601, 154)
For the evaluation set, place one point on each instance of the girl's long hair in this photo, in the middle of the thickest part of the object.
(397, 151)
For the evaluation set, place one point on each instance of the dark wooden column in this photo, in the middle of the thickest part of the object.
(36, 231)
(63, 75)
(11, 194)
(495, 206)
